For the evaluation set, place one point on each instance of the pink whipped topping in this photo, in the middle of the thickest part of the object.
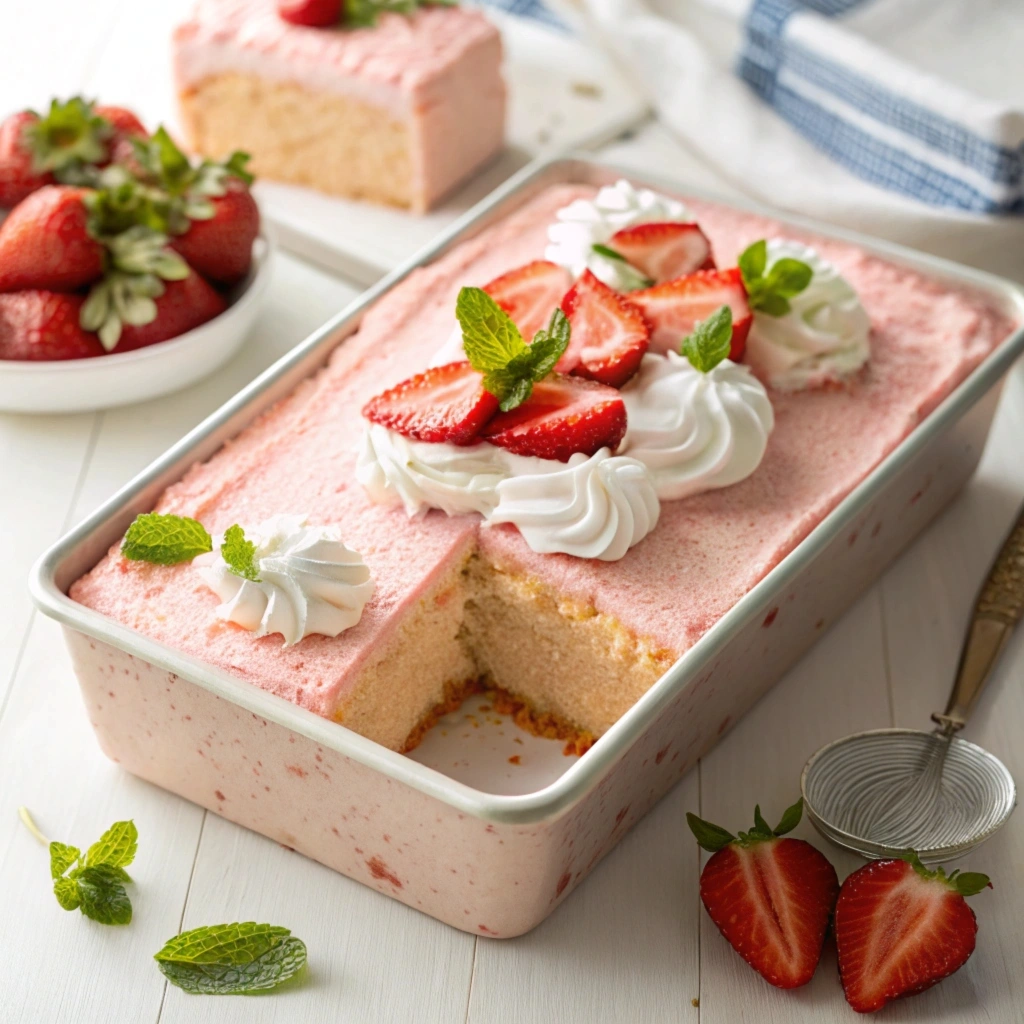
(706, 552)
(395, 63)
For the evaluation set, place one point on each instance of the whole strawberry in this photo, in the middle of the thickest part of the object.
(311, 13)
(901, 928)
(41, 325)
(45, 242)
(770, 897)
(184, 305)
(220, 247)
(19, 177)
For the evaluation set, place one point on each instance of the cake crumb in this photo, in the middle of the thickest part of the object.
(695, 1002)
(515, 759)
(588, 90)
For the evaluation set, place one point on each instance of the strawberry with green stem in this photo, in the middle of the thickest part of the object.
(770, 896)
(901, 928)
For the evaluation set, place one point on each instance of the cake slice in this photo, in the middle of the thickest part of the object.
(399, 113)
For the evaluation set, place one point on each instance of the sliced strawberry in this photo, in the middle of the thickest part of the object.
(312, 13)
(41, 325)
(184, 305)
(564, 415)
(609, 334)
(220, 248)
(44, 242)
(674, 307)
(901, 929)
(770, 897)
(530, 294)
(18, 175)
(445, 403)
(664, 251)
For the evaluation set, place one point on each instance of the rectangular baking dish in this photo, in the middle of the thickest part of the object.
(493, 865)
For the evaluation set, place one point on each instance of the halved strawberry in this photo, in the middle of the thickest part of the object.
(664, 251)
(42, 325)
(901, 928)
(770, 897)
(530, 294)
(564, 415)
(609, 334)
(45, 242)
(445, 403)
(674, 307)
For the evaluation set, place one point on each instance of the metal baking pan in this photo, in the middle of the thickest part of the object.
(492, 864)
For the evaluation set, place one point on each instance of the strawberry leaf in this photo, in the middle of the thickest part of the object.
(970, 883)
(709, 837)
(710, 341)
(761, 827)
(790, 818)
(165, 539)
(240, 554)
(68, 137)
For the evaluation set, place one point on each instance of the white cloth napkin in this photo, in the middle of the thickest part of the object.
(900, 118)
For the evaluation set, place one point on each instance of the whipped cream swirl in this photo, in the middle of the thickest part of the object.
(310, 582)
(420, 475)
(595, 506)
(824, 336)
(695, 431)
(587, 222)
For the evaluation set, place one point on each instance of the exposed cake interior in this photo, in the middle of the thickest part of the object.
(577, 640)
(399, 113)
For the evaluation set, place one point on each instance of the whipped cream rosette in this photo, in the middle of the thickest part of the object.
(302, 580)
(822, 333)
(694, 430)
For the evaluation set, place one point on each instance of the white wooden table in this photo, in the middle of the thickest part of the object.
(633, 943)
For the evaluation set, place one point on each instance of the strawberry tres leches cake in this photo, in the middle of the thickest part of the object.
(549, 462)
(370, 99)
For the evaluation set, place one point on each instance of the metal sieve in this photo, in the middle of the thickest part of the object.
(888, 790)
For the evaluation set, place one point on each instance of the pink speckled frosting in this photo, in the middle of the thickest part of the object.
(706, 552)
(394, 63)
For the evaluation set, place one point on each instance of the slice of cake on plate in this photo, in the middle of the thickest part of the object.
(399, 112)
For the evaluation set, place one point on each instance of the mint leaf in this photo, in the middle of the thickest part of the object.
(240, 554)
(710, 837)
(489, 336)
(102, 894)
(790, 818)
(116, 847)
(231, 959)
(770, 292)
(62, 857)
(753, 260)
(496, 349)
(95, 883)
(710, 341)
(66, 891)
(165, 539)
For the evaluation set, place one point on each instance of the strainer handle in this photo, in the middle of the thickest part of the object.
(997, 610)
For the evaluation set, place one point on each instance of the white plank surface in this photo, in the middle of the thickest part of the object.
(632, 943)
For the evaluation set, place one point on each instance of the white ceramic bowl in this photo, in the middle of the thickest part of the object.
(81, 385)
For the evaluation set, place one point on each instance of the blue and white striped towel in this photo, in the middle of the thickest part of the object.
(900, 117)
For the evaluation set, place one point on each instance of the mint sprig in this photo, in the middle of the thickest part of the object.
(232, 959)
(496, 349)
(769, 289)
(165, 539)
(240, 554)
(364, 13)
(93, 882)
(710, 341)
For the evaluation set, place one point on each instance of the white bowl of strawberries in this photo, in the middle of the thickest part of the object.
(126, 270)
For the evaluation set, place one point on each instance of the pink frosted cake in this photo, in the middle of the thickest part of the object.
(570, 545)
(398, 112)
